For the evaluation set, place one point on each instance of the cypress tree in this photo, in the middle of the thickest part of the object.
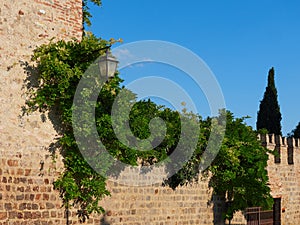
(269, 116)
(296, 132)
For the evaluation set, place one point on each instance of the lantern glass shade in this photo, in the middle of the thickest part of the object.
(107, 65)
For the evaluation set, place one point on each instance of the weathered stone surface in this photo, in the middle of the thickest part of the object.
(26, 191)
(3, 215)
(24, 25)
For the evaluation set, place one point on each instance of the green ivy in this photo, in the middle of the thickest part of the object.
(61, 65)
(238, 172)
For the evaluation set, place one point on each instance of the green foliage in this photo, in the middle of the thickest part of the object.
(61, 66)
(238, 172)
(190, 169)
(269, 115)
(296, 132)
(263, 131)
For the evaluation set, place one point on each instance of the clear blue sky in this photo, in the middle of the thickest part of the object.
(239, 40)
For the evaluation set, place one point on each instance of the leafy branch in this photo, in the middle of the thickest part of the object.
(238, 172)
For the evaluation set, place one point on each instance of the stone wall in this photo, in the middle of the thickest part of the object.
(26, 167)
(284, 175)
(194, 203)
(160, 205)
(27, 196)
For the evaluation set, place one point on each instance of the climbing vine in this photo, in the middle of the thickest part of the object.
(60, 66)
(238, 172)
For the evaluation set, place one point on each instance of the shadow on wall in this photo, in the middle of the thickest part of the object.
(218, 208)
(103, 221)
(31, 83)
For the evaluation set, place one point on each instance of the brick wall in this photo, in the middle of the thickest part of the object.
(26, 167)
(193, 204)
(26, 192)
(158, 205)
(285, 176)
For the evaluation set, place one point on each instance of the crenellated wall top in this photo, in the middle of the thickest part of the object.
(278, 140)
